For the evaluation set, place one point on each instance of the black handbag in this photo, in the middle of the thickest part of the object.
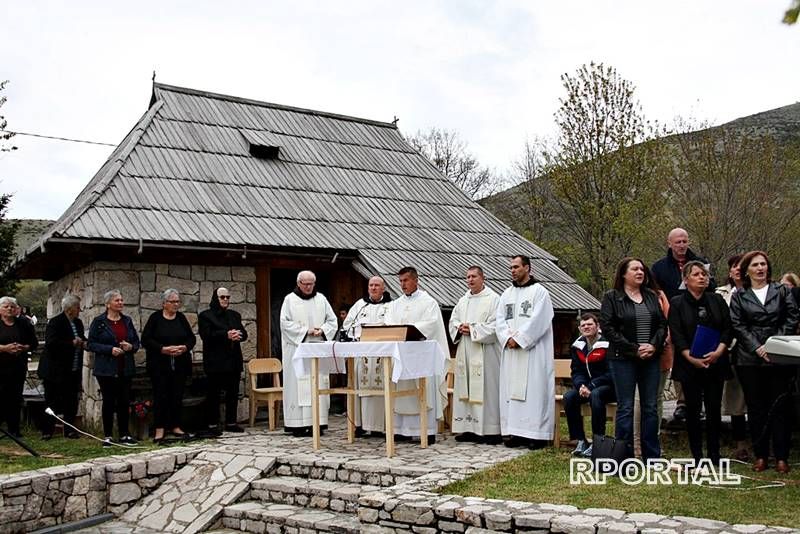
(608, 447)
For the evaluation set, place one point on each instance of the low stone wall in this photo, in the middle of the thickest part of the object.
(46, 497)
(354, 471)
(413, 507)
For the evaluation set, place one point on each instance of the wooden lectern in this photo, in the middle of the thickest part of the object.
(405, 332)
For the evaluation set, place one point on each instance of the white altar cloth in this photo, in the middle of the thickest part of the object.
(412, 359)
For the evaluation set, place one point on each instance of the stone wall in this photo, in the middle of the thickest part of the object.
(55, 495)
(141, 285)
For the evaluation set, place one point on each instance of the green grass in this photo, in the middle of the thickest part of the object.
(57, 451)
(543, 476)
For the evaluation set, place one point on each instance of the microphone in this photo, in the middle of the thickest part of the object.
(352, 330)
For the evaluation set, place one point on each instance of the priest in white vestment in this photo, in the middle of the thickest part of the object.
(306, 316)
(527, 378)
(418, 308)
(371, 310)
(476, 391)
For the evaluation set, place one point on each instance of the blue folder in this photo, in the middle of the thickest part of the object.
(705, 340)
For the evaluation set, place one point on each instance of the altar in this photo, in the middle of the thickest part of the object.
(400, 360)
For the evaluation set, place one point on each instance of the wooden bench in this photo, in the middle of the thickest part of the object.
(563, 371)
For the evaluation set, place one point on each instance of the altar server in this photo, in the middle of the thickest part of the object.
(418, 308)
(306, 316)
(476, 396)
(527, 380)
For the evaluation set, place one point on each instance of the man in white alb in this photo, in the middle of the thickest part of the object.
(371, 310)
(527, 379)
(416, 307)
(306, 316)
(476, 393)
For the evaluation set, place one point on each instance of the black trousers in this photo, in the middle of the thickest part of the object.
(116, 400)
(739, 427)
(167, 398)
(768, 398)
(598, 399)
(62, 397)
(12, 382)
(216, 383)
(699, 390)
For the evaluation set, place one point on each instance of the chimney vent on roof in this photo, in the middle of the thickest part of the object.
(262, 145)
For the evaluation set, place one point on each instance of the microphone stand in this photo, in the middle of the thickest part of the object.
(352, 329)
(4, 434)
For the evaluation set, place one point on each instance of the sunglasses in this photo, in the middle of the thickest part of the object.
(224, 297)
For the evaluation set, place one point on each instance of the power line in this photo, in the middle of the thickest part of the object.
(55, 138)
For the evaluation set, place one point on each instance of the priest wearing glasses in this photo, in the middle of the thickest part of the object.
(306, 316)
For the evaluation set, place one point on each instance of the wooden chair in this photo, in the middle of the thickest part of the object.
(269, 396)
(564, 372)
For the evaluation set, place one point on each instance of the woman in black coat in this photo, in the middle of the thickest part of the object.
(701, 375)
(61, 365)
(17, 339)
(632, 321)
(763, 308)
(168, 339)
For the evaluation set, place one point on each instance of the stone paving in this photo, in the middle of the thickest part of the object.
(275, 484)
(194, 497)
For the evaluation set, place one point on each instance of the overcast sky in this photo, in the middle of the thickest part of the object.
(489, 70)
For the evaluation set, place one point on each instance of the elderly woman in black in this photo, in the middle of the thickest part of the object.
(168, 339)
(700, 367)
(61, 365)
(17, 339)
(632, 321)
(763, 308)
(114, 340)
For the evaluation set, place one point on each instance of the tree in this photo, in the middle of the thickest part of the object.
(4, 135)
(8, 230)
(450, 154)
(790, 17)
(606, 172)
(533, 191)
(735, 191)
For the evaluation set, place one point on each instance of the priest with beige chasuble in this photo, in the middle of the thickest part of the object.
(476, 395)
(306, 317)
(418, 308)
(371, 310)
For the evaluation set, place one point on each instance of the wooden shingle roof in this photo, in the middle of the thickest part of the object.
(184, 174)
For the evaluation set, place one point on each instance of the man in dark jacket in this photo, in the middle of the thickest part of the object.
(61, 365)
(592, 382)
(667, 270)
(222, 333)
(667, 273)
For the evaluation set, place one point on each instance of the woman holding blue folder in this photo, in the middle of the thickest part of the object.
(700, 325)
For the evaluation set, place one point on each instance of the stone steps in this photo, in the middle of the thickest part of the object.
(274, 518)
(311, 493)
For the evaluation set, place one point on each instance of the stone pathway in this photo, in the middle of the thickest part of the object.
(354, 489)
(330, 480)
(192, 499)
